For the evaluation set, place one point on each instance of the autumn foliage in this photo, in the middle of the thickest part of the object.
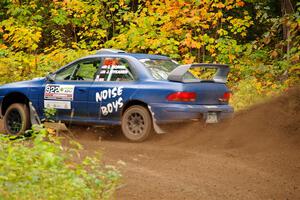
(259, 39)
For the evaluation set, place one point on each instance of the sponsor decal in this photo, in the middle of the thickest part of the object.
(113, 94)
(59, 92)
(115, 71)
(99, 79)
(57, 104)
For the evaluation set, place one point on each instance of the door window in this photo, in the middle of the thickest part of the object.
(115, 69)
(65, 73)
(84, 70)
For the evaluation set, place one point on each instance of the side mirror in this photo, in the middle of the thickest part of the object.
(50, 77)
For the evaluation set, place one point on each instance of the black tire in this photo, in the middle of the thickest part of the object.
(16, 119)
(137, 123)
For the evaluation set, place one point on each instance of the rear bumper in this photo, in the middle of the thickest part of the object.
(171, 113)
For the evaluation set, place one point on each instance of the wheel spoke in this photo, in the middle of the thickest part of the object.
(136, 123)
(14, 121)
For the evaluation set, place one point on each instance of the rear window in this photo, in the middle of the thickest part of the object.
(160, 69)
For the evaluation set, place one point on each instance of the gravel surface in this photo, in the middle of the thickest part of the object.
(254, 156)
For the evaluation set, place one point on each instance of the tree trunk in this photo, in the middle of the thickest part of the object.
(286, 9)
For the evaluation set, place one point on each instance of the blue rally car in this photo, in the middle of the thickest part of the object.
(140, 92)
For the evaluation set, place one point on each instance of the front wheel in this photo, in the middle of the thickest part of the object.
(137, 123)
(16, 119)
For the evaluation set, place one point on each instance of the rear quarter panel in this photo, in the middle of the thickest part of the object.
(152, 92)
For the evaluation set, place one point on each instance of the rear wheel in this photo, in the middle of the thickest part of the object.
(16, 119)
(137, 123)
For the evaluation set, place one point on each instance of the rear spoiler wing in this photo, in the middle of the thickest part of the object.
(221, 75)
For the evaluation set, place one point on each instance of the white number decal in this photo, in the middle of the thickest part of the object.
(59, 92)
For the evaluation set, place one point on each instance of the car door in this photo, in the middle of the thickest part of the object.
(69, 92)
(113, 87)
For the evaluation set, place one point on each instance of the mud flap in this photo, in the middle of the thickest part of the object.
(34, 117)
(35, 120)
(156, 127)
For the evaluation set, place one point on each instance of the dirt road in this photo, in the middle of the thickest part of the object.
(256, 156)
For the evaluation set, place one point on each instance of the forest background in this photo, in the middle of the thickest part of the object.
(259, 39)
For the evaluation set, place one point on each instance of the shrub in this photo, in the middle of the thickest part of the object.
(251, 91)
(43, 169)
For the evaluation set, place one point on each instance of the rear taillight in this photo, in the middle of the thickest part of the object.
(226, 97)
(182, 96)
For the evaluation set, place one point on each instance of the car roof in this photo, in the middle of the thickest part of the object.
(138, 56)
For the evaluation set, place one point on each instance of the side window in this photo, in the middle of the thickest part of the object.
(87, 70)
(115, 69)
(65, 74)
(84, 70)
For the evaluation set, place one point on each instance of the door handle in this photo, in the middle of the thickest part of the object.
(82, 90)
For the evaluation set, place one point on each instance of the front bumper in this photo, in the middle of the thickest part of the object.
(170, 113)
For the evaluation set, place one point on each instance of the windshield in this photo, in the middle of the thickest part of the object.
(160, 69)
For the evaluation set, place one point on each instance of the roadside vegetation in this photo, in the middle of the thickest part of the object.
(41, 168)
